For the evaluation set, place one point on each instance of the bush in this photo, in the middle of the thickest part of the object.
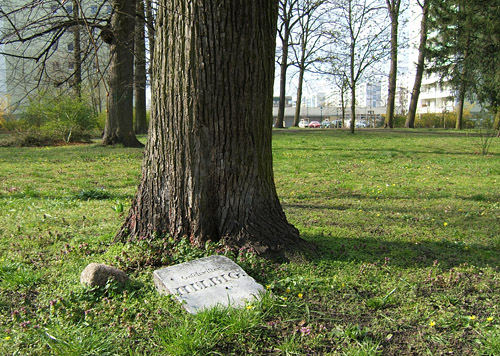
(29, 138)
(399, 120)
(61, 117)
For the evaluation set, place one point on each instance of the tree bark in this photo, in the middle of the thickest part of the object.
(207, 172)
(141, 125)
(412, 112)
(119, 127)
(393, 7)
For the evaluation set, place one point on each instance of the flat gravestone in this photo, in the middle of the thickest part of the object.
(207, 282)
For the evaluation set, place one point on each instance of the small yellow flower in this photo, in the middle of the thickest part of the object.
(300, 295)
(378, 214)
(288, 290)
(490, 318)
(445, 223)
(432, 323)
(472, 317)
(7, 338)
(249, 307)
(268, 286)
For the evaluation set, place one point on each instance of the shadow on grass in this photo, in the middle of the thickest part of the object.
(84, 195)
(404, 254)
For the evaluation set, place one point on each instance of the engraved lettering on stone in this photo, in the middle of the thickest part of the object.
(207, 283)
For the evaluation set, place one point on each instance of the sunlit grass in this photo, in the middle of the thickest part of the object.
(408, 258)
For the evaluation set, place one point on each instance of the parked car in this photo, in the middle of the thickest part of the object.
(360, 124)
(326, 123)
(314, 124)
(303, 123)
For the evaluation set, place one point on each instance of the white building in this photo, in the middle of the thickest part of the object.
(19, 78)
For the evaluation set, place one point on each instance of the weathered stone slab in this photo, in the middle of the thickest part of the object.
(207, 282)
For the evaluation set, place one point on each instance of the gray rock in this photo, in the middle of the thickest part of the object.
(207, 282)
(97, 274)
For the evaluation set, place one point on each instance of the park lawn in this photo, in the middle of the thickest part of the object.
(406, 224)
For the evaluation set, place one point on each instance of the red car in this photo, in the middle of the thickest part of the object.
(315, 124)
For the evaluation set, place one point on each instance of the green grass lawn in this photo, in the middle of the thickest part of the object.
(407, 224)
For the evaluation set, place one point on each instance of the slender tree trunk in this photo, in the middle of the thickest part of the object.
(299, 96)
(77, 52)
(496, 122)
(207, 172)
(141, 125)
(352, 86)
(283, 69)
(353, 108)
(393, 6)
(119, 128)
(151, 33)
(460, 108)
(410, 121)
(342, 101)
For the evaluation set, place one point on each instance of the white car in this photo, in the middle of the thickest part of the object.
(303, 123)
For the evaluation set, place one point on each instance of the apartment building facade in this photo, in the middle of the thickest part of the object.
(31, 60)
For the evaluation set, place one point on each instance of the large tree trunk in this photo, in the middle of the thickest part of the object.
(120, 120)
(410, 121)
(141, 125)
(393, 6)
(207, 173)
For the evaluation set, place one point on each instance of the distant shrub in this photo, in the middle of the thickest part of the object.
(399, 120)
(59, 118)
(442, 120)
(28, 138)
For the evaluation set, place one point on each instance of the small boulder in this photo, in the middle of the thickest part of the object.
(97, 274)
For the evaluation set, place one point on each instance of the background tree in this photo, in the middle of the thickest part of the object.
(150, 24)
(359, 36)
(307, 43)
(486, 62)
(119, 121)
(451, 47)
(207, 172)
(77, 51)
(410, 120)
(393, 7)
(342, 84)
(288, 18)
